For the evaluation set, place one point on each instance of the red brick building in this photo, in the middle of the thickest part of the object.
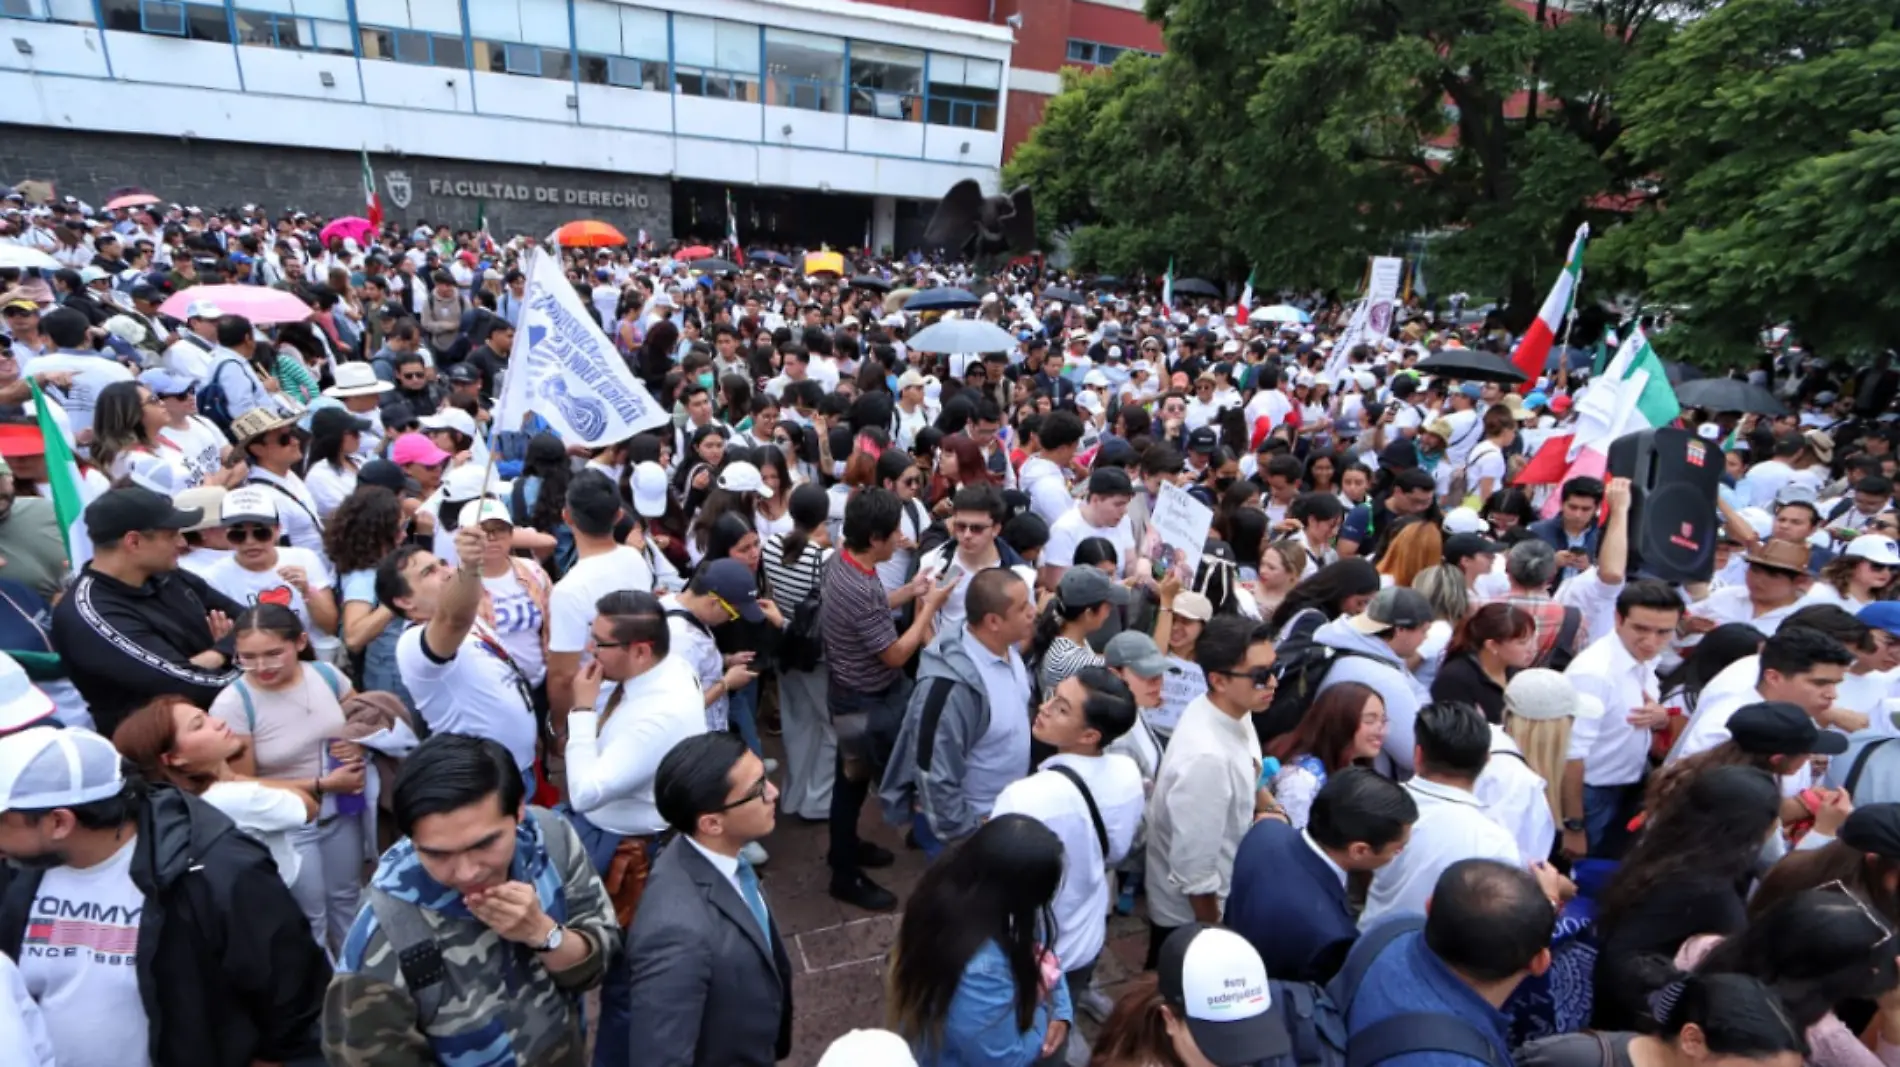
(1050, 35)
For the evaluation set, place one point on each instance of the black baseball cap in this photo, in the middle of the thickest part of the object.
(732, 582)
(1463, 546)
(382, 472)
(1778, 728)
(329, 420)
(1203, 441)
(118, 512)
(1873, 828)
(1110, 481)
(464, 373)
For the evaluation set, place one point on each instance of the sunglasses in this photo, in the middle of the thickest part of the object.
(972, 527)
(1261, 677)
(243, 532)
(282, 439)
(732, 613)
(186, 395)
(1770, 572)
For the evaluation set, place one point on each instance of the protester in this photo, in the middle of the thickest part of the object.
(1345, 726)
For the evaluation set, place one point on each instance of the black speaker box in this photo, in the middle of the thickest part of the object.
(1673, 480)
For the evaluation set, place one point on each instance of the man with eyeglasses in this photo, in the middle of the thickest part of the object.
(1207, 792)
(259, 571)
(976, 517)
(133, 626)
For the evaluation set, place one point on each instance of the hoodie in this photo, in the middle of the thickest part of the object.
(954, 752)
(227, 968)
(1048, 488)
(1376, 667)
(500, 1007)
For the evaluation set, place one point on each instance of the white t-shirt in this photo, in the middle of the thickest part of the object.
(200, 446)
(296, 508)
(24, 1041)
(1073, 528)
(1048, 489)
(1272, 404)
(1487, 461)
(1465, 435)
(571, 607)
(476, 691)
(266, 813)
(328, 486)
(1081, 902)
(90, 375)
(1452, 826)
(911, 523)
(696, 647)
(518, 623)
(229, 577)
(80, 962)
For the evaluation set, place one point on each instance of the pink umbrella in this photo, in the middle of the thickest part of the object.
(254, 302)
(349, 227)
(131, 200)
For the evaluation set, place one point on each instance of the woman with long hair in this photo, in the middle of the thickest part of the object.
(1343, 727)
(1682, 687)
(126, 421)
(515, 593)
(1508, 509)
(1242, 496)
(290, 707)
(1489, 646)
(769, 512)
(1688, 873)
(1339, 588)
(170, 740)
(794, 562)
(1144, 1030)
(971, 979)
(1716, 1018)
(298, 350)
(959, 463)
(1322, 473)
(1862, 859)
(1082, 603)
(1279, 571)
(1416, 544)
(735, 492)
(329, 460)
(539, 496)
(732, 537)
(1540, 706)
(1854, 579)
(366, 527)
(693, 481)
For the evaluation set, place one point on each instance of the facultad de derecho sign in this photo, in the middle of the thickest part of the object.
(540, 194)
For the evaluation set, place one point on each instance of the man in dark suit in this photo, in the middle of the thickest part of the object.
(1289, 889)
(711, 984)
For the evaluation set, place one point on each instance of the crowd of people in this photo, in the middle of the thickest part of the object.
(345, 725)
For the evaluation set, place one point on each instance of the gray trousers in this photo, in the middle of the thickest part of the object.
(330, 879)
(811, 748)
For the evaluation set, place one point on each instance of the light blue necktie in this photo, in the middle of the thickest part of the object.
(749, 889)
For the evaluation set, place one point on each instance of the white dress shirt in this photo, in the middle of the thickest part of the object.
(1614, 752)
(610, 769)
(1202, 806)
(1733, 605)
(1452, 826)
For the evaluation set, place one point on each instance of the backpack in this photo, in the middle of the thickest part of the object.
(324, 670)
(1315, 1017)
(1300, 670)
(1564, 650)
(213, 402)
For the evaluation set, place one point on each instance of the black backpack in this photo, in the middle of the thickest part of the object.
(1315, 1017)
(1300, 670)
(802, 645)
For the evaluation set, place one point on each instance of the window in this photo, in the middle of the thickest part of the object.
(526, 37)
(73, 12)
(887, 82)
(623, 46)
(422, 32)
(805, 70)
(298, 25)
(167, 18)
(408, 46)
(963, 92)
(1100, 54)
(713, 57)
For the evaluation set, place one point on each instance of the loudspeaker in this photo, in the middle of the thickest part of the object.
(1673, 479)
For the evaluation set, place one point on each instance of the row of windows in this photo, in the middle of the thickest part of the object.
(618, 45)
(1102, 54)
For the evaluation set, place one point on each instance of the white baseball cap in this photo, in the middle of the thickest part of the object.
(476, 512)
(868, 1048)
(1874, 549)
(1215, 980)
(649, 489)
(741, 477)
(22, 704)
(46, 767)
(203, 309)
(451, 419)
(1463, 520)
(248, 503)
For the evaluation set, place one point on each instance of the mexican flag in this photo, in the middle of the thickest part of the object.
(372, 204)
(63, 481)
(1632, 394)
(1167, 286)
(1533, 351)
(732, 230)
(1246, 301)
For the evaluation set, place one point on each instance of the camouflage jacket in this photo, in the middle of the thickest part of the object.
(497, 1005)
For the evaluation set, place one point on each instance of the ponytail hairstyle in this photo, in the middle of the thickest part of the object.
(809, 509)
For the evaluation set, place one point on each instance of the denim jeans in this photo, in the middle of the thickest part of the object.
(1607, 810)
(379, 669)
(742, 711)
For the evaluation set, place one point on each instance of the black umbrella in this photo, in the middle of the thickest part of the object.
(1106, 281)
(871, 282)
(1470, 365)
(715, 265)
(1728, 394)
(944, 299)
(1197, 287)
(1066, 295)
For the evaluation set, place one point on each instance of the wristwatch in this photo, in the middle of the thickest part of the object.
(553, 940)
(1574, 825)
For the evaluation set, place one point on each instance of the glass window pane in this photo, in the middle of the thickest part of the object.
(642, 33)
(441, 16)
(597, 26)
(383, 13)
(945, 69)
(78, 12)
(895, 70)
(694, 42)
(543, 22)
(324, 9)
(275, 7)
(23, 9)
(521, 59)
(807, 70)
(496, 20)
(984, 74)
(739, 47)
(449, 52)
(412, 48)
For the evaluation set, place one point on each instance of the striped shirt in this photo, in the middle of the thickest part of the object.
(1063, 659)
(791, 582)
(856, 622)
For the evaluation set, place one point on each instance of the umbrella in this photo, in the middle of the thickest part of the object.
(20, 257)
(1197, 287)
(1279, 313)
(1728, 394)
(715, 265)
(693, 252)
(130, 200)
(963, 335)
(1107, 281)
(831, 263)
(871, 282)
(1064, 294)
(1470, 365)
(894, 300)
(590, 233)
(349, 227)
(766, 255)
(943, 299)
(254, 302)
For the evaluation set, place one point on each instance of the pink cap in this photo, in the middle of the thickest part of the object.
(415, 448)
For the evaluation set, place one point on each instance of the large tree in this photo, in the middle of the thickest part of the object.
(1771, 129)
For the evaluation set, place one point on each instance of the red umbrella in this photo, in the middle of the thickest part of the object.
(131, 200)
(588, 233)
(694, 252)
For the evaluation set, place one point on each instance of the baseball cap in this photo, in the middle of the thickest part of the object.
(1215, 980)
(451, 419)
(868, 1048)
(1189, 604)
(732, 582)
(22, 704)
(202, 309)
(467, 483)
(1085, 587)
(384, 473)
(1873, 828)
(46, 767)
(1775, 727)
(208, 499)
(1471, 390)
(476, 512)
(464, 373)
(248, 503)
(336, 420)
(1399, 607)
(1881, 615)
(1110, 481)
(414, 448)
(129, 509)
(1540, 693)
(741, 477)
(1461, 546)
(1463, 521)
(164, 383)
(1874, 549)
(1203, 441)
(1137, 652)
(649, 489)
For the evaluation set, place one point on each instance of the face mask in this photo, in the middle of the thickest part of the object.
(706, 380)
